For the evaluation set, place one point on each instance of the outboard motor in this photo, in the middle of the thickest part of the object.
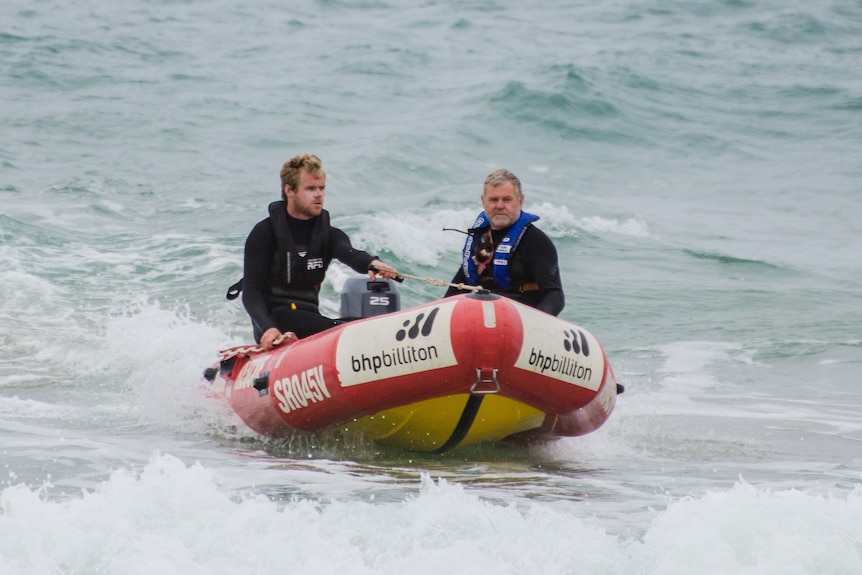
(361, 297)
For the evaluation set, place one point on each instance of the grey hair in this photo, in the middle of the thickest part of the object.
(500, 177)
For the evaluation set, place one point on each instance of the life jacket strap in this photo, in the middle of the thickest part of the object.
(234, 290)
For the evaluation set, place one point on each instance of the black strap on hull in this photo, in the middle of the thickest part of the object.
(468, 416)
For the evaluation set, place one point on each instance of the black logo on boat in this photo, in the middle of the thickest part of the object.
(570, 342)
(404, 354)
(418, 326)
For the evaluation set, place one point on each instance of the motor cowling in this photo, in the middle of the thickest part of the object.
(361, 297)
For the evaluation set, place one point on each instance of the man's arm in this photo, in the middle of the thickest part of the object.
(259, 248)
(540, 256)
(343, 251)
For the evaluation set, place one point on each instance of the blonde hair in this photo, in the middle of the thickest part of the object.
(291, 169)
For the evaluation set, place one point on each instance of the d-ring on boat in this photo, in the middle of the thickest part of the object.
(457, 371)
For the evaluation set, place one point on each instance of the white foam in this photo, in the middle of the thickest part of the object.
(414, 236)
(171, 518)
(634, 226)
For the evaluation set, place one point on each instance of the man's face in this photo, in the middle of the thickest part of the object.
(307, 200)
(502, 205)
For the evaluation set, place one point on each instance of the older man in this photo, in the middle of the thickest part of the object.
(506, 254)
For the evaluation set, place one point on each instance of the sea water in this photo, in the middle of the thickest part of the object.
(697, 165)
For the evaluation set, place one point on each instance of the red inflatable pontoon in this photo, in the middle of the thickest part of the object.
(456, 371)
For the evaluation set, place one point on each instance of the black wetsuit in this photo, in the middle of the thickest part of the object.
(533, 268)
(262, 281)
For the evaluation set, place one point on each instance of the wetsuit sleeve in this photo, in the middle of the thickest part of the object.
(259, 249)
(539, 254)
(343, 251)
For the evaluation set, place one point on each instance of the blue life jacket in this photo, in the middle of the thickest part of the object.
(502, 252)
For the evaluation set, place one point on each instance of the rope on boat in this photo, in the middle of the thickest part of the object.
(399, 277)
(247, 349)
(440, 283)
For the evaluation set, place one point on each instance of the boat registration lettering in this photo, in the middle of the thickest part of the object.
(299, 390)
(249, 372)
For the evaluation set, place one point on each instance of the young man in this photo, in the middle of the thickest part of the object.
(506, 253)
(288, 253)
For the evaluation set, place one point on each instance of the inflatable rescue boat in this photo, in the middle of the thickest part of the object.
(457, 371)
